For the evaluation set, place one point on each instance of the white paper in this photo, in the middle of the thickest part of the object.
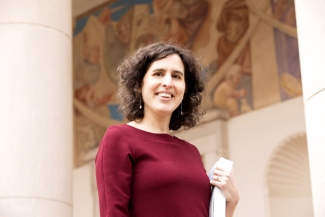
(217, 206)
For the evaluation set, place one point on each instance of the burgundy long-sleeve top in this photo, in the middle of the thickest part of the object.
(143, 174)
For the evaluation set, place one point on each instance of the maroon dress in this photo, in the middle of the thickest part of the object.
(143, 174)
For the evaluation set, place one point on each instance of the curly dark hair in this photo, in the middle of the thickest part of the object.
(133, 69)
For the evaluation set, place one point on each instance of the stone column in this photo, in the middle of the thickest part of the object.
(220, 144)
(311, 35)
(36, 108)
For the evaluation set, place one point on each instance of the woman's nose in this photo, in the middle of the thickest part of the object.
(167, 81)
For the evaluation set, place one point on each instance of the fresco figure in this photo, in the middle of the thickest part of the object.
(87, 74)
(179, 20)
(287, 52)
(164, 24)
(195, 14)
(233, 22)
(116, 41)
(229, 95)
(89, 69)
(89, 134)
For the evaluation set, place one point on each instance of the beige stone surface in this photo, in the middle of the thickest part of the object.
(54, 14)
(83, 198)
(315, 124)
(299, 207)
(311, 34)
(36, 116)
(253, 137)
(33, 207)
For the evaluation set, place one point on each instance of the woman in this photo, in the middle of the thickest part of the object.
(141, 169)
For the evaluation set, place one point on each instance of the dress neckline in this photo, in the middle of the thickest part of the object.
(164, 137)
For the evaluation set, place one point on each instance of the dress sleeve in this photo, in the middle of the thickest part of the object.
(114, 173)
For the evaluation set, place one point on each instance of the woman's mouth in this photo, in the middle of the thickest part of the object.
(165, 95)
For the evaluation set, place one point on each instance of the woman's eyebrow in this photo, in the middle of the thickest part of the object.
(158, 69)
(174, 71)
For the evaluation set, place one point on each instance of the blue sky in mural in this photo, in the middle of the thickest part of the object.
(115, 114)
(117, 15)
(125, 6)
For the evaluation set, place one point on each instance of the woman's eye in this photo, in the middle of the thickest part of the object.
(176, 76)
(158, 74)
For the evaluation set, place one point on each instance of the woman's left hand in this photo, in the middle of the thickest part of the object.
(225, 181)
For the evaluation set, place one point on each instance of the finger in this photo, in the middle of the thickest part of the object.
(214, 180)
(220, 184)
(222, 173)
(217, 178)
(222, 169)
(218, 172)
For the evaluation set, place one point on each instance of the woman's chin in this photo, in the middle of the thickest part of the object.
(164, 111)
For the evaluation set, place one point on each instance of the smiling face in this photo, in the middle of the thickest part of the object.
(163, 86)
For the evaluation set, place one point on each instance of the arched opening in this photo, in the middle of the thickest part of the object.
(288, 179)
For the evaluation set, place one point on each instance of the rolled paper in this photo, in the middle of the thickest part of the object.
(217, 207)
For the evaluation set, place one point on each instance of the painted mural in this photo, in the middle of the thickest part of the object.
(287, 52)
(218, 31)
(234, 92)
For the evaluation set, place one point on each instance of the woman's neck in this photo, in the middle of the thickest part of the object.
(152, 124)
